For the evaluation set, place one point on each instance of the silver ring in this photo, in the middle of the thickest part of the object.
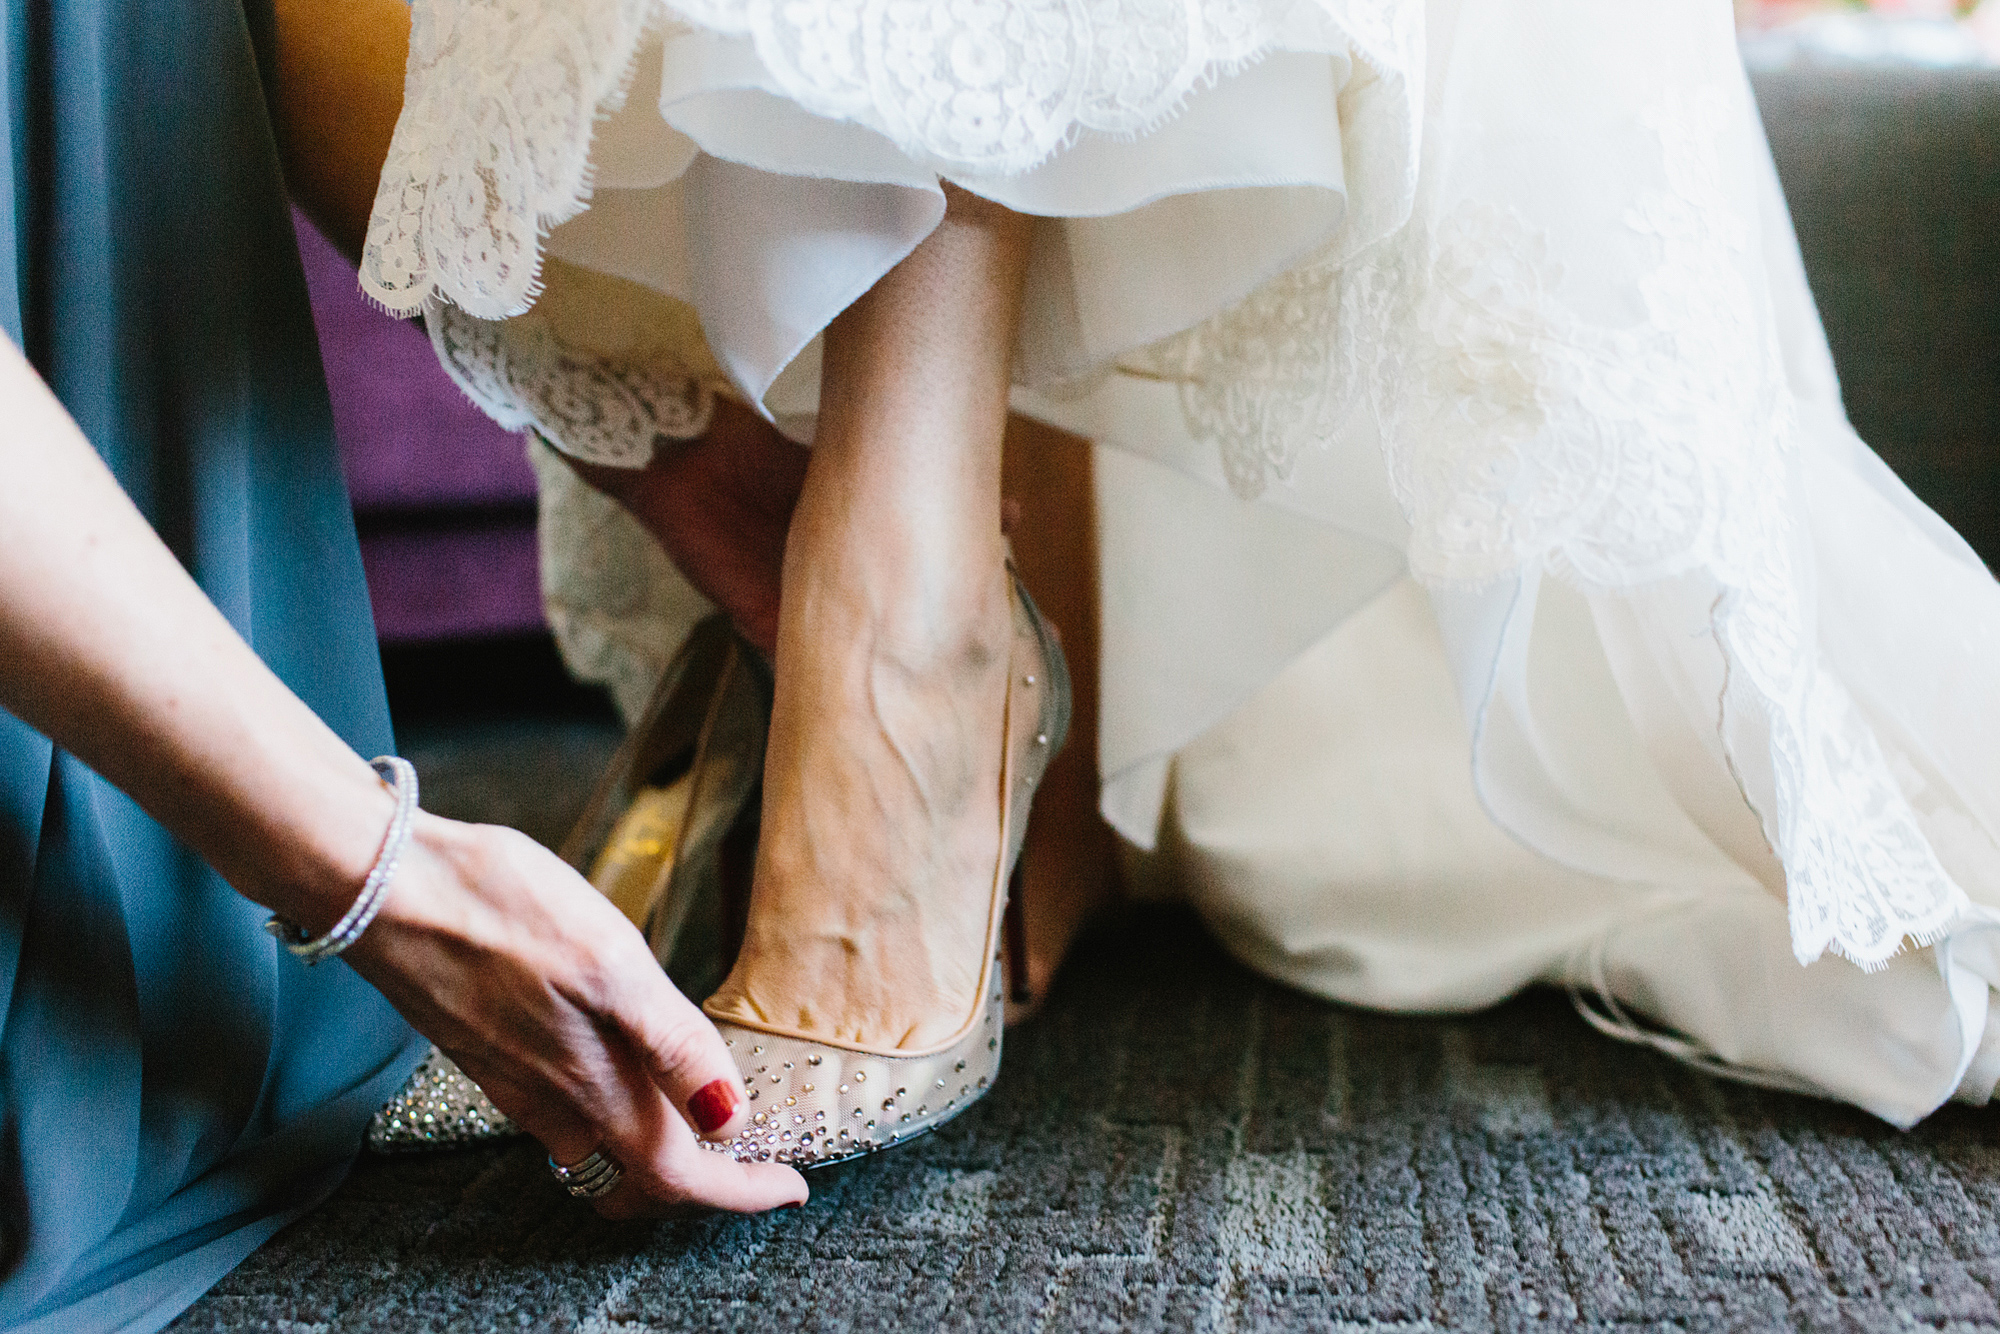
(593, 1178)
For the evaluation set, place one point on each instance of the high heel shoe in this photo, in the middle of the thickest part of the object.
(816, 1102)
(670, 833)
(667, 835)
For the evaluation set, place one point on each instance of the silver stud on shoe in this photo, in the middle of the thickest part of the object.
(438, 1107)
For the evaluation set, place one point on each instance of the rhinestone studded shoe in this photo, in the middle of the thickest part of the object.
(816, 1102)
(438, 1108)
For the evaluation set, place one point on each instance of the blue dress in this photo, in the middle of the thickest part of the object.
(175, 1087)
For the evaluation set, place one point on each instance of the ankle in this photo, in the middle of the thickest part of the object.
(923, 605)
(961, 632)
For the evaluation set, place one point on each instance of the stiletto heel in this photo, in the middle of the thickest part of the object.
(818, 1102)
(664, 835)
(1019, 990)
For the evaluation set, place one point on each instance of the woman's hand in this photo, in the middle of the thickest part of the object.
(551, 1002)
(528, 977)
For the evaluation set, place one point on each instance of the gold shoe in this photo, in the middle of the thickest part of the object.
(668, 836)
(816, 1102)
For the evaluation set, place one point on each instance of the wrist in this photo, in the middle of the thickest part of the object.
(439, 863)
(455, 897)
(315, 947)
(311, 867)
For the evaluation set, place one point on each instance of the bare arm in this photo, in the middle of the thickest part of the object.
(487, 943)
(340, 89)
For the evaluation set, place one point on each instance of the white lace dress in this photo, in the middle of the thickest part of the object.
(1493, 589)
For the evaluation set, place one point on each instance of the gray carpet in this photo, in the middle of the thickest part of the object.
(1176, 1144)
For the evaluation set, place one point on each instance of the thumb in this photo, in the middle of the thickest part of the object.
(687, 1059)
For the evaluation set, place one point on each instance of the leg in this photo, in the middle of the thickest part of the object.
(881, 783)
(1069, 862)
(721, 507)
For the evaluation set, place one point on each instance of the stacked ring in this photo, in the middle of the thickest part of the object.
(590, 1179)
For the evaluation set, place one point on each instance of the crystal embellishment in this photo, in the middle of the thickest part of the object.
(438, 1108)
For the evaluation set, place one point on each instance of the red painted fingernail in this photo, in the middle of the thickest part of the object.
(713, 1105)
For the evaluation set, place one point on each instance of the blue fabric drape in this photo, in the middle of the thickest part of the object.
(174, 1086)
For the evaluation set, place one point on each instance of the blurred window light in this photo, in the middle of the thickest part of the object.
(1932, 33)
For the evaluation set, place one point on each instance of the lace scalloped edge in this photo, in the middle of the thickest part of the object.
(1212, 73)
(574, 198)
(1913, 938)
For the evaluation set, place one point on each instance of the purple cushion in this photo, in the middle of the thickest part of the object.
(408, 438)
(453, 583)
(443, 497)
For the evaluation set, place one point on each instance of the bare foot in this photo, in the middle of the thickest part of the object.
(721, 507)
(892, 623)
(896, 644)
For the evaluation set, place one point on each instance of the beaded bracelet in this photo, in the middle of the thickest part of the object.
(401, 778)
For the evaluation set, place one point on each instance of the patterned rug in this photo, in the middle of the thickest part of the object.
(1178, 1145)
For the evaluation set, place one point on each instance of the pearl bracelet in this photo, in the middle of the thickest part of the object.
(402, 780)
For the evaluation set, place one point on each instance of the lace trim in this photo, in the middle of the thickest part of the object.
(592, 407)
(493, 145)
(617, 606)
(501, 96)
(1516, 432)
(997, 86)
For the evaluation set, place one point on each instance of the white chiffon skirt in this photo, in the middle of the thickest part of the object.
(1493, 590)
